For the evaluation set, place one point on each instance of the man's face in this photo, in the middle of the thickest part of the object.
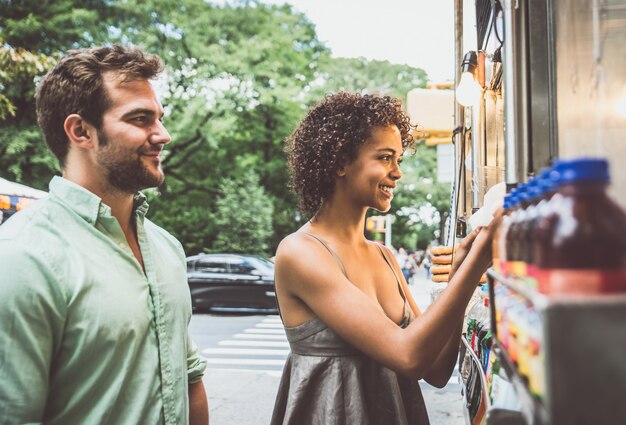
(132, 136)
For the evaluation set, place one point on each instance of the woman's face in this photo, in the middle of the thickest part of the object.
(371, 178)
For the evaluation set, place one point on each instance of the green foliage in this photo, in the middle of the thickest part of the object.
(238, 79)
(369, 76)
(243, 216)
(18, 68)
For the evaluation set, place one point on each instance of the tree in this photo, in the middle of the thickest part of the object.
(243, 216)
(234, 88)
(368, 76)
(238, 79)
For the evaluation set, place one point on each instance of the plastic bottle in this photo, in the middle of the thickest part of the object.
(534, 192)
(581, 242)
(547, 185)
(474, 316)
(496, 245)
(503, 234)
(536, 360)
(516, 265)
(502, 295)
(485, 337)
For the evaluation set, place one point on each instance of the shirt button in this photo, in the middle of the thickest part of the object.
(122, 245)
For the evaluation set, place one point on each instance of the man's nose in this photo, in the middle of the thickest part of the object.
(160, 134)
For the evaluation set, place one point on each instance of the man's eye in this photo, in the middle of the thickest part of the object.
(385, 157)
(140, 119)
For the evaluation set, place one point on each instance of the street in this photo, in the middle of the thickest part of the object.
(246, 355)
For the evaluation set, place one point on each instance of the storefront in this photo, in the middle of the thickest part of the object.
(541, 113)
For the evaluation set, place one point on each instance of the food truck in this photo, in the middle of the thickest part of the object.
(15, 196)
(540, 114)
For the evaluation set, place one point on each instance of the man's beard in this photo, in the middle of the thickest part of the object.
(123, 172)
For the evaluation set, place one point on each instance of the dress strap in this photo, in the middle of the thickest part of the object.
(402, 294)
(343, 270)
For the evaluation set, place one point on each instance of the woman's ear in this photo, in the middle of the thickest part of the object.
(79, 131)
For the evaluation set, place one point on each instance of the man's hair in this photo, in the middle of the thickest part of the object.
(330, 136)
(75, 86)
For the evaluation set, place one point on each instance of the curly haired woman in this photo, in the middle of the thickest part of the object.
(359, 343)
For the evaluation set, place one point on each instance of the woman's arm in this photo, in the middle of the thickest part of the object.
(307, 271)
(440, 371)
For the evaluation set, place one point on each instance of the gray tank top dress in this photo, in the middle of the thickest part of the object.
(326, 381)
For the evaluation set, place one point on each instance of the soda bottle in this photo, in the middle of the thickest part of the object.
(511, 205)
(547, 185)
(497, 248)
(515, 261)
(474, 316)
(581, 242)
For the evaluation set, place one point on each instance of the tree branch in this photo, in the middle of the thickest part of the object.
(192, 185)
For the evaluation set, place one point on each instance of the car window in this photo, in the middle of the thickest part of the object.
(241, 267)
(263, 265)
(212, 265)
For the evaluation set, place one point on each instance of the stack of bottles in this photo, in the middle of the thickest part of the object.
(562, 234)
(520, 335)
(479, 339)
(478, 327)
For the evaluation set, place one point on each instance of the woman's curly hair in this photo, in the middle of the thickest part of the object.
(329, 137)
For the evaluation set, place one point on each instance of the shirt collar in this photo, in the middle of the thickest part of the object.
(87, 205)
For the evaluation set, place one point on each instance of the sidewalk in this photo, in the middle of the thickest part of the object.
(445, 405)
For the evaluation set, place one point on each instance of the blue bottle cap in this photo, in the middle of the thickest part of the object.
(533, 188)
(582, 170)
(547, 179)
(522, 193)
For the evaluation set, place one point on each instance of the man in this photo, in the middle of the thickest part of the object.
(94, 303)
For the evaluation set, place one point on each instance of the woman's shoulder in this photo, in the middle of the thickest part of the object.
(301, 249)
(295, 245)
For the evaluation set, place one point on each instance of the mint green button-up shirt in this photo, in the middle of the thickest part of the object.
(86, 337)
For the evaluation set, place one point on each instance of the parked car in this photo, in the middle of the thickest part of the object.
(231, 283)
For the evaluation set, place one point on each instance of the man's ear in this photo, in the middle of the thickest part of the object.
(79, 131)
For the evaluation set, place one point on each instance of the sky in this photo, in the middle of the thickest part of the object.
(419, 33)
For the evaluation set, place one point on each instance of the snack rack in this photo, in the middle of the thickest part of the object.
(584, 359)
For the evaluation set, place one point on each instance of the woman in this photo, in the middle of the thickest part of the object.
(358, 341)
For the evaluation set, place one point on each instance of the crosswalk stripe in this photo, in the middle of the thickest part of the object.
(265, 338)
(270, 372)
(246, 351)
(266, 331)
(260, 336)
(258, 362)
(270, 325)
(254, 343)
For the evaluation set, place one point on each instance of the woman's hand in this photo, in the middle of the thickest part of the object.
(461, 251)
(479, 242)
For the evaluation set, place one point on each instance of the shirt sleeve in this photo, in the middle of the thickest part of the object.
(31, 318)
(195, 363)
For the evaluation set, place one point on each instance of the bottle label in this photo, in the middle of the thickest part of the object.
(580, 281)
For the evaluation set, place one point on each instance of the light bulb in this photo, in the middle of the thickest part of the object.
(468, 90)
